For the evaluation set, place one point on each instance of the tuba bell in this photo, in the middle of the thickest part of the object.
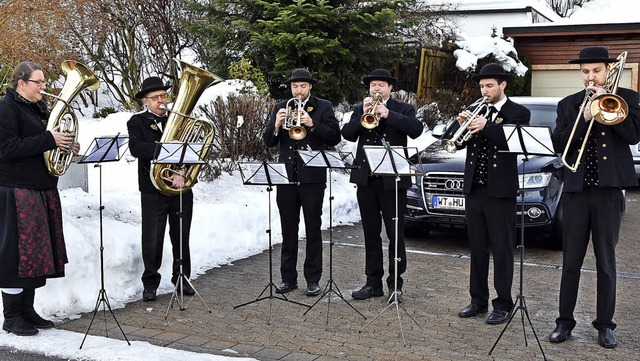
(181, 127)
(606, 109)
(78, 77)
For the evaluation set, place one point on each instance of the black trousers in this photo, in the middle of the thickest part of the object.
(290, 198)
(156, 209)
(378, 205)
(598, 212)
(491, 225)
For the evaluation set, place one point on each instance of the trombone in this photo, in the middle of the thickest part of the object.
(292, 120)
(606, 109)
(461, 132)
(371, 120)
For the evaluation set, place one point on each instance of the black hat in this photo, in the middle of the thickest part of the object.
(151, 84)
(302, 75)
(593, 54)
(492, 71)
(380, 74)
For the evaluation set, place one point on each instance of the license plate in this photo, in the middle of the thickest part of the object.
(444, 202)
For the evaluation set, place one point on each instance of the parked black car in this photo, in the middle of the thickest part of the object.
(436, 199)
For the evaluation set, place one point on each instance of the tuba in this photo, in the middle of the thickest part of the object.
(606, 109)
(181, 127)
(78, 77)
(292, 121)
(457, 134)
(371, 120)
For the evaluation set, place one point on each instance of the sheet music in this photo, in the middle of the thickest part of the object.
(171, 153)
(380, 161)
(537, 139)
(256, 174)
(312, 158)
(102, 152)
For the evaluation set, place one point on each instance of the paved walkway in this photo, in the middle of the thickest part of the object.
(435, 289)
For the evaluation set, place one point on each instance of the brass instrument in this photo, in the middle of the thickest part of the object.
(183, 128)
(460, 132)
(62, 116)
(292, 120)
(371, 120)
(606, 109)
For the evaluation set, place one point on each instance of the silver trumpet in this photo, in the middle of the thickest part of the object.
(461, 133)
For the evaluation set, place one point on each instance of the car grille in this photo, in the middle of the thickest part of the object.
(444, 184)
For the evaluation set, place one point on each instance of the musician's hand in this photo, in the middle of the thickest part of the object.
(280, 117)
(63, 140)
(177, 179)
(477, 124)
(367, 104)
(306, 119)
(76, 148)
(462, 117)
(382, 111)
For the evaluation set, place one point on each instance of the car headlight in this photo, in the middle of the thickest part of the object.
(534, 180)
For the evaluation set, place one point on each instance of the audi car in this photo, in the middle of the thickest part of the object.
(436, 199)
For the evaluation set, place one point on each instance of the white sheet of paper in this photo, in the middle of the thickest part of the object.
(101, 151)
(171, 153)
(254, 173)
(537, 139)
(314, 158)
(380, 161)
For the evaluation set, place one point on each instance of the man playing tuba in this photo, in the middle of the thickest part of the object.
(145, 129)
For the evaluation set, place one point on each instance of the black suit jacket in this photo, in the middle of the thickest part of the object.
(402, 122)
(615, 162)
(502, 168)
(144, 133)
(323, 136)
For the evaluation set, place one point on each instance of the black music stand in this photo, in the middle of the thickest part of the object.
(331, 160)
(180, 154)
(525, 140)
(102, 150)
(393, 161)
(268, 174)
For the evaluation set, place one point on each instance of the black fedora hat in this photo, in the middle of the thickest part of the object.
(380, 74)
(151, 84)
(593, 54)
(492, 71)
(300, 75)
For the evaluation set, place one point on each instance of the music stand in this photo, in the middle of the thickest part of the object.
(180, 154)
(101, 150)
(254, 173)
(393, 161)
(525, 140)
(331, 160)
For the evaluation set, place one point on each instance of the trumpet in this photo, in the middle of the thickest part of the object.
(292, 120)
(606, 109)
(371, 120)
(461, 132)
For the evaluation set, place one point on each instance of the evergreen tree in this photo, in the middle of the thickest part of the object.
(339, 41)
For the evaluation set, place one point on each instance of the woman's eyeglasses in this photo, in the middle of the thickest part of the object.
(40, 83)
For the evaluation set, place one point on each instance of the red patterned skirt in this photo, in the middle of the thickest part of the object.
(32, 245)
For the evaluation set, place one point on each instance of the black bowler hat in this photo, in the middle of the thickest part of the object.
(593, 54)
(300, 75)
(492, 71)
(151, 84)
(380, 74)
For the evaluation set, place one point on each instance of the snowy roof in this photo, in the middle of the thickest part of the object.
(475, 6)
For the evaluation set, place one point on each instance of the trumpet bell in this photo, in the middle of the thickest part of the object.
(297, 133)
(369, 121)
(449, 146)
(609, 109)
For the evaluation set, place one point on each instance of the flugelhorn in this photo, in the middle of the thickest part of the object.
(460, 133)
(62, 116)
(292, 119)
(606, 109)
(181, 127)
(371, 120)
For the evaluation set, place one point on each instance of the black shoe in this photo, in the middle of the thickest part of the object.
(367, 292)
(497, 317)
(472, 310)
(149, 294)
(392, 298)
(560, 334)
(187, 290)
(285, 287)
(606, 338)
(312, 289)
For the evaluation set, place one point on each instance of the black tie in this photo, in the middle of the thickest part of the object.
(489, 116)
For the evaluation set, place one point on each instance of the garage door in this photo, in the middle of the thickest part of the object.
(562, 82)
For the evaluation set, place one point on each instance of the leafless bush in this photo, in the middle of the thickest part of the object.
(239, 123)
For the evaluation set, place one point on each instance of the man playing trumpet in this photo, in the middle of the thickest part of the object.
(593, 201)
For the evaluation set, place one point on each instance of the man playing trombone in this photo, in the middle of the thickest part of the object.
(593, 201)
(490, 188)
(303, 122)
